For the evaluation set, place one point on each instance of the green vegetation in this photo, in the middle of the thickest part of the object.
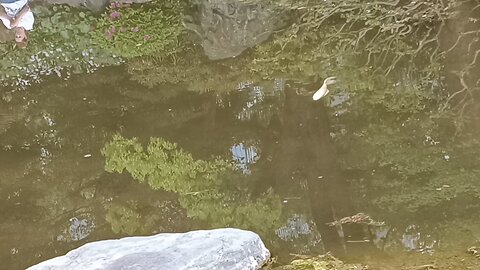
(201, 185)
(68, 41)
(140, 30)
(60, 45)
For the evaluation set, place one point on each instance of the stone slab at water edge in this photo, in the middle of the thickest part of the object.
(219, 249)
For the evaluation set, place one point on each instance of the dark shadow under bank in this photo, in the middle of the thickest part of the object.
(301, 150)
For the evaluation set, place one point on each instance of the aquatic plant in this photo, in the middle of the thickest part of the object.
(139, 30)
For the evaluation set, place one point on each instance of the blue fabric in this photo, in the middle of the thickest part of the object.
(8, 1)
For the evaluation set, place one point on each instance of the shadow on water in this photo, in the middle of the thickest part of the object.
(300, 149)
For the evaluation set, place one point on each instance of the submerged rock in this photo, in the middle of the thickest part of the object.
(228, 249)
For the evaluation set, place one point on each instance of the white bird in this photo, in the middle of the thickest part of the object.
(323, 91)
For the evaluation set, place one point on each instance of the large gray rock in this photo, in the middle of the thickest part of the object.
(228, 249)
(228, 27)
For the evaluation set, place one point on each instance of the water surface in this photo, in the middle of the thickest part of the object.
(383, 144)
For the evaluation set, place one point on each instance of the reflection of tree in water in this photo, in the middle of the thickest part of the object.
(415, 44)
(391, 141)
(188, 67)
(206, 189)
(45, 180)
(460, 48)
(134, 217)
(409, 71)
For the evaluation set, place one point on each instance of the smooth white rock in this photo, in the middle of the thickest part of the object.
(222, 249)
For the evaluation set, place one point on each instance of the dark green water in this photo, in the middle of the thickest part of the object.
(56, 194)
(377, 145)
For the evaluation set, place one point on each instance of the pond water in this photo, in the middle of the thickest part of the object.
(253, 150)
